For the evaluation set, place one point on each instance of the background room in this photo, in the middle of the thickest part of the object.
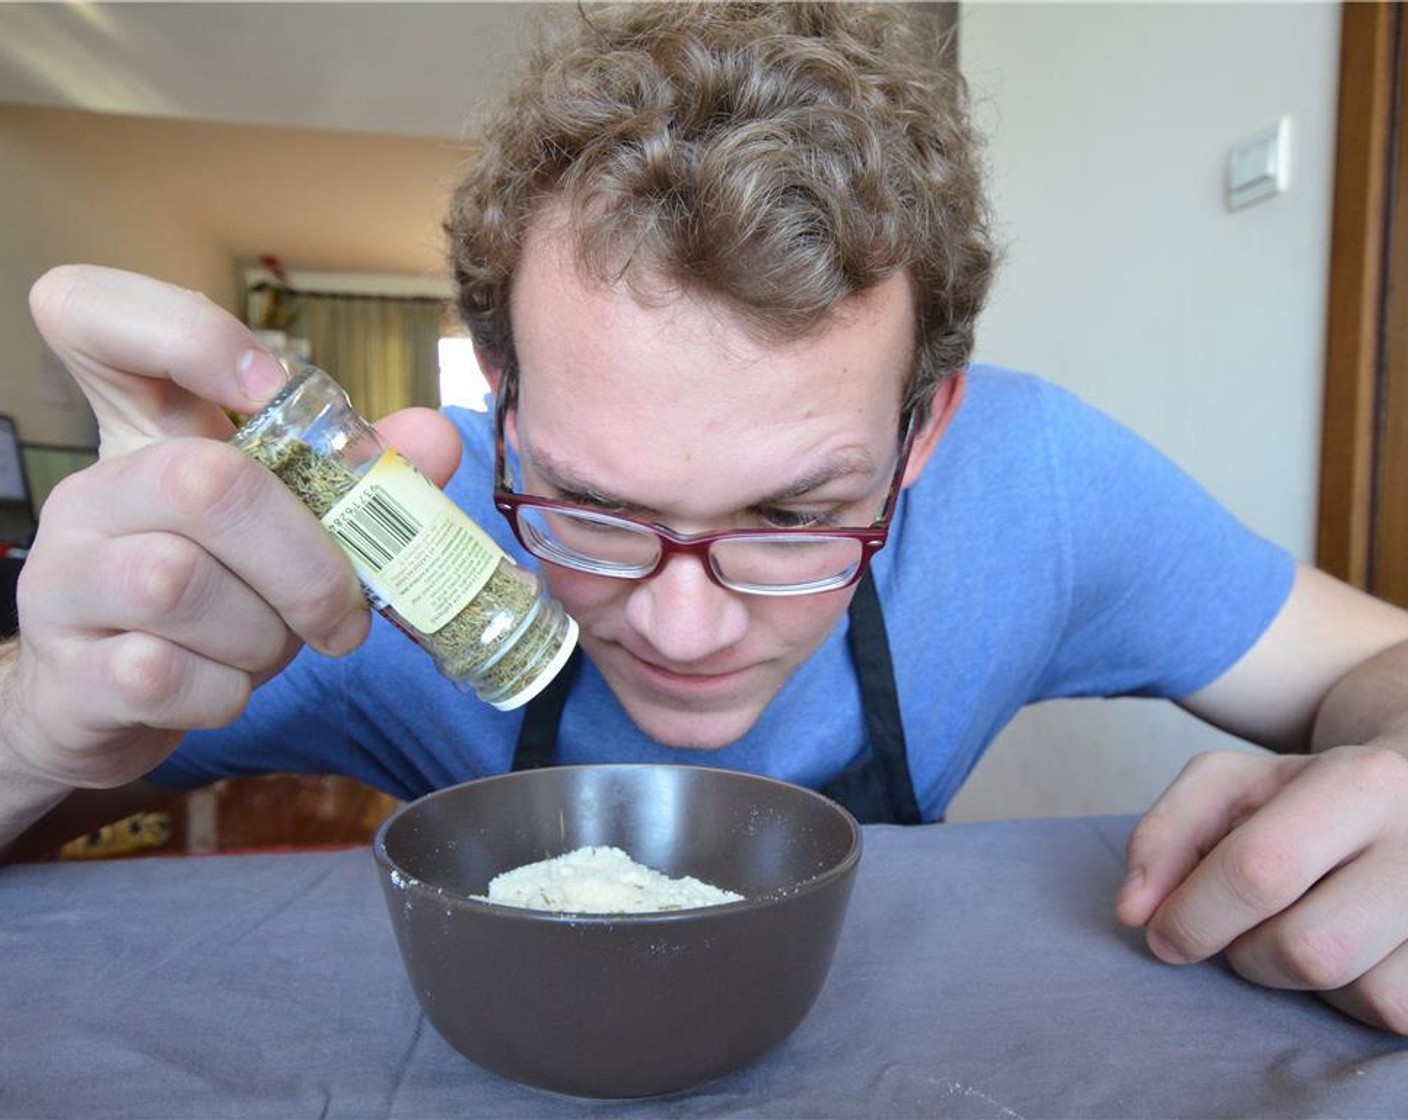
(293, 161)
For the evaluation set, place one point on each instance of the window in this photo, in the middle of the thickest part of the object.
(461, 382)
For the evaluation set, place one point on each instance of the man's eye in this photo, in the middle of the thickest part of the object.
(594, 502)
(798, 518)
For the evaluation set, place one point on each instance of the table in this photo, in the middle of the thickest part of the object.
(979, 974)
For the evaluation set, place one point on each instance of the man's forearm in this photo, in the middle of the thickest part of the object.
(24, 796)
(23, 803)
(1369, 705)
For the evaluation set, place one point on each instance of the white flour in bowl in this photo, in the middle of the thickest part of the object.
(600, 880)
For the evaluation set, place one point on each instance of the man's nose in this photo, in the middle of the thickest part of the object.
(684, 615)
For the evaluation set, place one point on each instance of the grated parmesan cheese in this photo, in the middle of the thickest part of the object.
(600, 880)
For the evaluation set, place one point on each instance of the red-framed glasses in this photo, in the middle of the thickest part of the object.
(799, 561)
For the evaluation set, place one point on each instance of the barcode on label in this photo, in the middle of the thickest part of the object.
(377, 528)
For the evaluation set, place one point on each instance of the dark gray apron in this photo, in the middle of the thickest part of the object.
(877, 788)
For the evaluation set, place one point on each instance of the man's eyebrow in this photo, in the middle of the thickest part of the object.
(841, 465)
(564, 479)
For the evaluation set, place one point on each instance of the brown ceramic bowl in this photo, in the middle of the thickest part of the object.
(619, 1005)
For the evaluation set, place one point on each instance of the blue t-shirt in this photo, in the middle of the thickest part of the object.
(1046, 551)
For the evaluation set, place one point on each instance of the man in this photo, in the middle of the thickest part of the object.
(722, 265)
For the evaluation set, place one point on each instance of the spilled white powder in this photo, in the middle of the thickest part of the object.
(600, 880)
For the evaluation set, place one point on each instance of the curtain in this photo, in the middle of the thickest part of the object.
(384, 350)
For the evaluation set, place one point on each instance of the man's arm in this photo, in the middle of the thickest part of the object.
(24, 797)
(1279, 695)
(1295, 866)
(1369, 705)
(37, 814)
(171, 578)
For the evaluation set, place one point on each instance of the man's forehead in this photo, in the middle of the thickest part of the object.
(656, 471)
(576, 463)
(608, 382)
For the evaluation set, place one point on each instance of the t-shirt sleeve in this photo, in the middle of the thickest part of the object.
(1165, 589)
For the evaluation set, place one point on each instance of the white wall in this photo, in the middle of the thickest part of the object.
(189, 201)
(65, 197)
(1128, 280)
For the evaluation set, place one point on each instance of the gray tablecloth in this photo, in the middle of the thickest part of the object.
(979, 975)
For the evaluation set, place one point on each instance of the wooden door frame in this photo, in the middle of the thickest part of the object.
(1364, 439)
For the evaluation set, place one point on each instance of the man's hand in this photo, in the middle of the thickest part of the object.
(1296, 867)
(174, 575)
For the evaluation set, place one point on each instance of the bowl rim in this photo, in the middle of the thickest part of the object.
(408, 882)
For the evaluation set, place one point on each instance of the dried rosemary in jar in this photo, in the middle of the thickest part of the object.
(488, 623)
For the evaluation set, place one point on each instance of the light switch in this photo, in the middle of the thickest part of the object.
(1259, 165)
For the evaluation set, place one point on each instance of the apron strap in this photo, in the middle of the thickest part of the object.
(877, 789)
(537, 737)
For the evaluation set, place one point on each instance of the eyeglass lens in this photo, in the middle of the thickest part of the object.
(608, 546)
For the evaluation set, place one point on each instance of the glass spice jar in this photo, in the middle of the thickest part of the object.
(489, 623)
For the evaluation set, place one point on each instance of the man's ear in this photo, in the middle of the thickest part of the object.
(490, 367)
(942, 410)
(493, 372)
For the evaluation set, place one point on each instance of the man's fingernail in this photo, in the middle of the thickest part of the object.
(260, 374)
(1162, 948)
(347, 635)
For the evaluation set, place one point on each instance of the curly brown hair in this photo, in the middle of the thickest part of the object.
(780, 157)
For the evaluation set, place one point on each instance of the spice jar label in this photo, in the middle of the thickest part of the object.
(411, 547)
